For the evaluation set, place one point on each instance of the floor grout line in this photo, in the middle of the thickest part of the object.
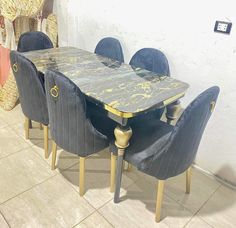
(5, 219)
(84, 199)
(11, 126)
(96, 210)
(18, 151)
(29, 189)
(192, 214)
(105, 218)
(198, 218)
(195, 214)
(84, 219)
(207, 202)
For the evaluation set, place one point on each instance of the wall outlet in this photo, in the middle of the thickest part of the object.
(223, 27)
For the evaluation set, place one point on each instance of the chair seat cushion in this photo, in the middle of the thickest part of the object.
(146, 136)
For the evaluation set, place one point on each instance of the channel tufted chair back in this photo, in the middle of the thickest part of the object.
(110, 48)
(31, 91)
(70, 126)
(31, 41)
(162, 150)
(180, 151)
(151, 59)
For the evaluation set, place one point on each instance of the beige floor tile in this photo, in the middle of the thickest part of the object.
(35, 134)
(94, 221)
(197, 223)
(3, 223)
(97, 178)
(202, 187)
(20, 172)
(64, 158)
(53, 203)
(14, 116)
(2, 123)
(10, 142)
(220, 210)
(137, 209)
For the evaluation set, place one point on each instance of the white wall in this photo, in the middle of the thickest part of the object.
(183, 30)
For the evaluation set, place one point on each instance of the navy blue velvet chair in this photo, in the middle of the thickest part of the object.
(31, 94)
(70, 124)
(163, 151)
(31, 41)
(110, 48)
(153, 60)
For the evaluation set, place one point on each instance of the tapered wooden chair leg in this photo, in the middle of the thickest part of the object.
(160, 190)
(27, 123)
(45, 131)
(113, 172)
(81, 175)
(188, 179)
(54, 155)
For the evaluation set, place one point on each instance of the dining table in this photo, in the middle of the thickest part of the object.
(121, 90)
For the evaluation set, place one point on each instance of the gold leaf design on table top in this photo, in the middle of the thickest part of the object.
(141, 95)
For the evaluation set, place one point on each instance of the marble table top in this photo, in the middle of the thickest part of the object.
(121, 89)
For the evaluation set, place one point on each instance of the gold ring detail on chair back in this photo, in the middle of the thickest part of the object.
(54, 91)
(212, 105)
(15, 67)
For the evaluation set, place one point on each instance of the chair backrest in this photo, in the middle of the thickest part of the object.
(70, 125)
(110, 48)
(31, 41)
(31, 91)
(183, 143)
(151, 59)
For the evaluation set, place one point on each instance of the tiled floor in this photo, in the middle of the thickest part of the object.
(31, 195)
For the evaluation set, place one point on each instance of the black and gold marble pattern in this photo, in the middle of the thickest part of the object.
(121, 89)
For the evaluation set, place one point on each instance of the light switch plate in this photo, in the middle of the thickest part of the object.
(223, 27)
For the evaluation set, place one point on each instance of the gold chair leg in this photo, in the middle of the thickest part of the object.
(129, 168)
(188, 179)
(81, 175)
(113, 172)
(54, 155)
(45, 131)
(40, 126)
(27, 123)
(160, 190)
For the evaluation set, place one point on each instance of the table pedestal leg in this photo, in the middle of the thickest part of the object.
(122, 136)
(173, 111)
